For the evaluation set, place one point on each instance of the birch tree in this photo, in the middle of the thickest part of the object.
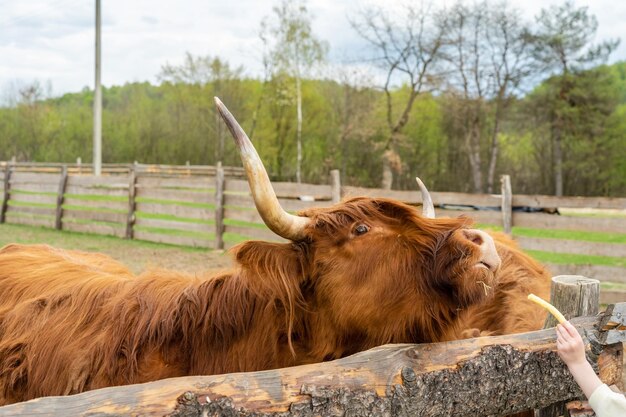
(294, 50)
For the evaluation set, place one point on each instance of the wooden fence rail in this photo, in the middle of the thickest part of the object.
(211, 207)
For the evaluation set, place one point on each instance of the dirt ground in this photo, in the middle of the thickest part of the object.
(141, 258)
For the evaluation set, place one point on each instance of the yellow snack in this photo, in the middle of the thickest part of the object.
(552, 309)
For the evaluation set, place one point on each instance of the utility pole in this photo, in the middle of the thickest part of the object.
(97, 102)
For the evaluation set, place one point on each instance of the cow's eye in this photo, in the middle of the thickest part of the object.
(361, 229)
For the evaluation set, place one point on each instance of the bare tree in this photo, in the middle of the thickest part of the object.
(509, 46)
(489, 55)
(407, 49)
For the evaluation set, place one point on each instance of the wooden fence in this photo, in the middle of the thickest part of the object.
(211, 207)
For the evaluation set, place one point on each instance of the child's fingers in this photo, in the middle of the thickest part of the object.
(561, 332)
(570, 329)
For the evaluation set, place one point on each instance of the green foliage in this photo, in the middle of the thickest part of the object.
(344, 127)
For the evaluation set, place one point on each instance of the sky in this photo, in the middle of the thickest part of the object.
(52, 41)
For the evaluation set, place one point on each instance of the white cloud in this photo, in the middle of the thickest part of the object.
(54, 40)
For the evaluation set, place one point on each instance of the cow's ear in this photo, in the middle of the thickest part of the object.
(274, 267)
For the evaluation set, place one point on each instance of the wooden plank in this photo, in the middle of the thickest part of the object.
(6, 193)
(284, 189)
(132, 193)
(480, 376)
(294, 190)
(254, 233)
(174, 225)
(612, 296)
(573, 246)
(600, 272)
(551, 221)
(335, 185)
(405, 196)
(414, 197)
(110, 181)
(219, 207)
(19, 218)
(201, 196)
(238, 200)
(177, 210)
(506, 205)
(116, 230)
(291, 205)
(205, 183)
(99, 216)
(96, 204)
(36, 188)
(34, 198)
(29, 178)
(569, 202)
(236, 186)
(478, 216)
(46, 211)
(173, 240)
(250, 216)
(101, 191)
(59, 199)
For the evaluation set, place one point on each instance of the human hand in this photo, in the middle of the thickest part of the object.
(569, 344)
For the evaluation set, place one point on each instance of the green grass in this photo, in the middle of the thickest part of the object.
(567, 258)
(15, 233)
(241, 223)
(178, 203)
(571, 235)
(176, 232)
(603, 237)
(170, 217)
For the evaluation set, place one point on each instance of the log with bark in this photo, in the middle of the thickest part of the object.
(473, 377)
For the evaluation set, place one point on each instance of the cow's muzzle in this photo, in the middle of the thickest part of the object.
(489, 258)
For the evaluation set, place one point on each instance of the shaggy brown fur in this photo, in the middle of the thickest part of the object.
(72, 321)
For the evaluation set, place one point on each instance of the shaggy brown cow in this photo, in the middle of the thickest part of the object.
(362, 273)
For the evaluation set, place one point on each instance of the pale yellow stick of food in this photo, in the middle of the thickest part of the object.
(552, 309)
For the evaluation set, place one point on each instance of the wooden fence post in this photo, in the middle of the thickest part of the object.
(7, 192)
(58, 223)
(79, 165)
(130, 218)
(574, 296)
(219, 207)
(335, 183)
(507, 204)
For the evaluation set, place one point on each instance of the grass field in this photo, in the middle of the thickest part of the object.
(138, 255)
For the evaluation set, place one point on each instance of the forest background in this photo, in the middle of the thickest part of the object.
(456, 95)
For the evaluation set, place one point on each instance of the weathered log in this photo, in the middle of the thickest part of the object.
(473, 377)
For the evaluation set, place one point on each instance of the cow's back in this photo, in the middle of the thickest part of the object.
(47, 296)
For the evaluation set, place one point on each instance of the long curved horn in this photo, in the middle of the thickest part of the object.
(275, 217)
(428, 209)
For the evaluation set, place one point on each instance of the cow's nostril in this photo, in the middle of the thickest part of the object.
(473, 237)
